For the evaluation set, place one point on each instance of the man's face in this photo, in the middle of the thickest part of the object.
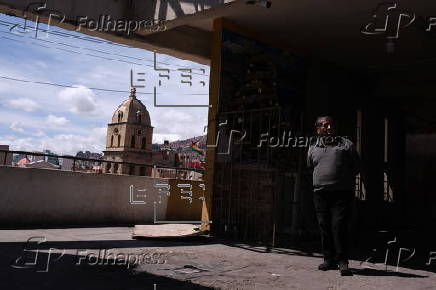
(325, 128)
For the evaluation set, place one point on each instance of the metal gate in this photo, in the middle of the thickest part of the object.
(255, 182)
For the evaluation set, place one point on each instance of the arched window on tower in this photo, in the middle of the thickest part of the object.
(112, 141)
(120, 116)
(132, 142)
(119, 140)
(143, 143)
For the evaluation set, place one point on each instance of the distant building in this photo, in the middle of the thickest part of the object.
(89, 155)
(51, 159)
(5, 159)
(35, 158)
(155, 147)
(42, 165)
(129, 138)
(67, 164)
(26, 162)
(23, 162)
(164, 158)
(16, 158)
(86, 165)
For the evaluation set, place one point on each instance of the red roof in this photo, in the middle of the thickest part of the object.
(23, 161)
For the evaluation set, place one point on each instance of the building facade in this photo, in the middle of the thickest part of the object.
(129, 138)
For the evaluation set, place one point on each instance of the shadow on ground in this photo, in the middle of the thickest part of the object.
(379, 252)
(113, 244)
(57, 271)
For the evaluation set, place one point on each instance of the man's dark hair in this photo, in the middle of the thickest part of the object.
(318, 120)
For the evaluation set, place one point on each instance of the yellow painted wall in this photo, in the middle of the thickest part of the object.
(179, 209)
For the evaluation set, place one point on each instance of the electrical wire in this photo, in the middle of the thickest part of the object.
(75, 87)
(89, 39)
(62, 34)
(87, 54)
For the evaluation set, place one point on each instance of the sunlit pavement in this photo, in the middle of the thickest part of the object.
(108, 258)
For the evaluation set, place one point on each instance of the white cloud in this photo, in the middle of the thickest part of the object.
(61, 143)
(54, 121)
(24, 104)
(80, 100)
(177, 124)
(18, 128)
(25, 123)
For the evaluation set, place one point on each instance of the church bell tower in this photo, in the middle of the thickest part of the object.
(129, 138)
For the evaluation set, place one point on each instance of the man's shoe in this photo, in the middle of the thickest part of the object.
(328, 265)
(343, 268)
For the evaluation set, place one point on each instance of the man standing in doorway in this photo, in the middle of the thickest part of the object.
(335, 163)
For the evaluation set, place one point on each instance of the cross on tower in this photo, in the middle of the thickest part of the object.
(133, 92)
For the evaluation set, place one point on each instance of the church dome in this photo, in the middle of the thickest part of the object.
(132, 110)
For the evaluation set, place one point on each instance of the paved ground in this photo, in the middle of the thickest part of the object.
(85, 258)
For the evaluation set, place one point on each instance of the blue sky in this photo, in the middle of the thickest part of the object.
(34, 116)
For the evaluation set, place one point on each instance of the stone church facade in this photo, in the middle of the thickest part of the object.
(129, 138)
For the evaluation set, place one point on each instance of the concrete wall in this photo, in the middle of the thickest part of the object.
(45, 197)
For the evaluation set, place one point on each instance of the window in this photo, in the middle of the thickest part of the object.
(119, 140)
(120, 116)
(132, 142)
(108, 167)
(112, 141)
(144, 143)
(142, 171)
(138, 116)
(116, 168)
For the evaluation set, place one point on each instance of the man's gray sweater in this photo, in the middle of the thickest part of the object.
(334, 165)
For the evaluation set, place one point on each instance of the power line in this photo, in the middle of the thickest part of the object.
(87, 54)
(67, 86)
(63, 49)
(63, 34)
(76, 52)
(89, 39)
(76, 87)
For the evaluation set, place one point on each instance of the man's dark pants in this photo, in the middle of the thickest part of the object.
(333, 209)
